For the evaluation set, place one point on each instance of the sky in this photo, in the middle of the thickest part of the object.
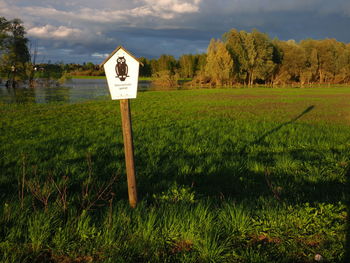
(77, 31)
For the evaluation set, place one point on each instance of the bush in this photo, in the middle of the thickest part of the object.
(165, 78)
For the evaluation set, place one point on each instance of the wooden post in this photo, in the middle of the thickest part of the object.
(129, 151)
(122, 73)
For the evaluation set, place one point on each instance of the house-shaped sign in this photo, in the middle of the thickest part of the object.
(122, 73)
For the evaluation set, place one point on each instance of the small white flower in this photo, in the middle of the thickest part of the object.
(318, 258)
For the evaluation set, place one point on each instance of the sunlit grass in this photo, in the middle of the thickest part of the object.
(224, 175)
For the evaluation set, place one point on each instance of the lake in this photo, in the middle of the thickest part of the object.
(75, 90)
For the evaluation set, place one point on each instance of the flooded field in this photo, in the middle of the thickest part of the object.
(72, 91)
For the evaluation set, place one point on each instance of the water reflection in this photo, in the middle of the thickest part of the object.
(57, 95)
(72, 91)
(17, 95)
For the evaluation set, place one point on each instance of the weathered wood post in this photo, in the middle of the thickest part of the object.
(122, 73)
(129, 151)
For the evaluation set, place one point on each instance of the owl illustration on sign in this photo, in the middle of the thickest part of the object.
(121, 68)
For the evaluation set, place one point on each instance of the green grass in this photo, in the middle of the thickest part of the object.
(88, 77)
(103, 77)
(140, 78)
(224, 175)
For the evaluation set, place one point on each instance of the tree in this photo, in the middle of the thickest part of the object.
(329, 51)
(4, 38)
(187, 64)
(310, 73)
(234, 42)
(199, 71)
(201, 61)
(89, 66)
(255, 56)
(260, 51)
(165, 78)
(154, 66)
(166, 62)
(146, 68)
(343, 75)
(4, 34)
(219, 63)
(13, 48)
(293, 64)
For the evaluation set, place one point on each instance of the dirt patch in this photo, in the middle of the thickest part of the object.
(182, 246)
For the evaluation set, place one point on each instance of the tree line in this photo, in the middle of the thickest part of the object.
(248, 58)
(239, 57)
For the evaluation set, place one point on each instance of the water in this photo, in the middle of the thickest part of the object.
(75, 90)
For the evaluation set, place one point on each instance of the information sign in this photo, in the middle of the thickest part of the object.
(122, 73)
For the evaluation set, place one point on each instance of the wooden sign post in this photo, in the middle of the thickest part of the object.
(122, 73)
(129, 151)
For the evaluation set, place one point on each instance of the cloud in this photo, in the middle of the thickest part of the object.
(82, 13)
(175, 6)
(90, 28)
(52, 32)
(99, 55)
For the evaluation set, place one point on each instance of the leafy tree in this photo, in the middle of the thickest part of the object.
(187, 65)
(154, 66)
(166, 62)
(329, 51)
(254, 54)
(4, 39)
(201, 61)
(146, 69)
(4, 33)
(234, 41)
(310, 73)
(343, 75)
(13, 47)
(219, 63)
(293, 63)
(260, 54)
(89, 66)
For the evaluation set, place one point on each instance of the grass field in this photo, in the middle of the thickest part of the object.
(224, 175)
(140, 78)
(103, 77)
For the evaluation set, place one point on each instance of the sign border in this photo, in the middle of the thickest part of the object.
(115, 51)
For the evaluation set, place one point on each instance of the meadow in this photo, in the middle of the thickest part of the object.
(224, 175)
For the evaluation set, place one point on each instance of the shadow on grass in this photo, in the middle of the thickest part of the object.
(224, 171)
(240, 182)
(277, 128)
(235, 172)
(307, 110)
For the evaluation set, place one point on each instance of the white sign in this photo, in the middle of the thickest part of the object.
(122, 73)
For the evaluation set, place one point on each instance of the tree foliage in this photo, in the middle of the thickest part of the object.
(219, 63)
(187, 65)
(248, 58)
(14, 53)
(258, 59)
(255, 56)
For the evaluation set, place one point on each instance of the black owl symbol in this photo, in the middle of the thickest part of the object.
(121, 68)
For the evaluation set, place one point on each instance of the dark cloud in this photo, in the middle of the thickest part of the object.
(86, 30)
